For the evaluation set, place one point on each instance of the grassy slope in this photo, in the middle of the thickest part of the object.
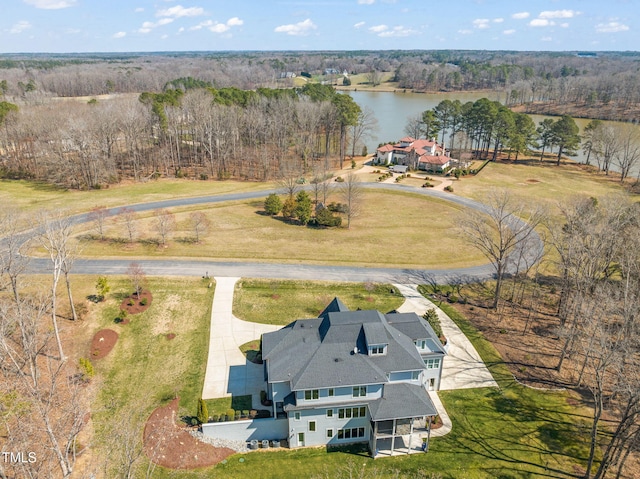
(280, 302)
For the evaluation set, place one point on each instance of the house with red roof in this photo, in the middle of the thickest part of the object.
(417, 154)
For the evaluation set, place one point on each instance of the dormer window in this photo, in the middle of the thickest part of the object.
(378, 350)
(421, 344)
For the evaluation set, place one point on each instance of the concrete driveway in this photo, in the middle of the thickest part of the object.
(463, 367)
(228, 371)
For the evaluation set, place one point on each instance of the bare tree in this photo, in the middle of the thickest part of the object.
(628, 154)
(98, 217)
(164, 225)
(200, 224)
(54, 231)
(129, 218)
(500, 231)
(352, 196)
(137, 277)
(367, 123)
(12, 262)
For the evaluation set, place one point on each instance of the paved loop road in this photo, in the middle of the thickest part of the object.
(165, 267)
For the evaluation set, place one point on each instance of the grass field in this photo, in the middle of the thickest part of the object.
(32, 196)
(394, 228)
(280, 302)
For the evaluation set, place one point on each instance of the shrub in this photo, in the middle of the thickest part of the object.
(102, 287)
(427, 184)
(448, 188)
(122, 315)
(432, 318)
(203, 411)
(289, 207)
(86, 368)
(253, 413)
(231, 413)
(339, 179)
(324, 217)
(452, 298)
(364, 150)
(245, 413)
(204, 176)
(143, 301)
(353, 164)
(273, 204)
(131, 302)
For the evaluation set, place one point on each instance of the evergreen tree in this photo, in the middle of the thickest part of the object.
(303, 207)
(203, 411)
(273, 204)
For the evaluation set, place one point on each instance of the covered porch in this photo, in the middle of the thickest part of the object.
(401, 421)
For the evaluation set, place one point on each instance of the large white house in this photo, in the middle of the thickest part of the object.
(427, 155)
(352, 376)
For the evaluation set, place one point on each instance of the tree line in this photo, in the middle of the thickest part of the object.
(197, 132)
(491, 128)
(592, 250)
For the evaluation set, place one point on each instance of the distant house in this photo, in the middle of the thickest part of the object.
(427, 155)
(353, 377)
(287, 75)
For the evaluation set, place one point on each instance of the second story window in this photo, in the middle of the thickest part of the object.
(311, 394)
(359, 391)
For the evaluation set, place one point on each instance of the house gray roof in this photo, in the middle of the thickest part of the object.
(402, 400)
(416, 328)
(335, 306)
(331, 351)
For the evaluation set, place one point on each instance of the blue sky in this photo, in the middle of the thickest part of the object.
(181, 25)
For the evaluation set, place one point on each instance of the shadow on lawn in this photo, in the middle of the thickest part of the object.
(526, 431)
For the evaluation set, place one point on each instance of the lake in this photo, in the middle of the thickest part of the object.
(393, 109)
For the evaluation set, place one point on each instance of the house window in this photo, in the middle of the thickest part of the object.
(329, 433)
(363, 411)
(312, 426)
(331, 392)
(351, 433)
(359, 391)
(297, 415)
(341, 413)
(329, 412)
(415, 375)
(421, 344)
(340, 434)
(375, 350)
(310, 394)
(432, 363)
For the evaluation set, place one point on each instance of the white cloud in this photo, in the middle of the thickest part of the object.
(565, 25)
(498, 20)
(541, 22)
(481, 23)
(234, 22)
(298, 29)
(465, 32)
(164, 37)
(139, 9)
(397, 31)
(51, 4)
(520, 15)
(509, 32)
(378, 28)
(558, 14)
(20, 27)
(366, 2)
(148, 26)
(358, 25)
(179, 11)
(611, 27)
(546, 39)
(119, 35)
(217, 27)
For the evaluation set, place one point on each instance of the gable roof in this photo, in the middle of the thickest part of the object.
(331, 351)
(334, 306)
(434, 159)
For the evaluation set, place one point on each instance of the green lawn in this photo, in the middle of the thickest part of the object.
(145, 369)
(32, 196)
(280, 302)
(240, 230)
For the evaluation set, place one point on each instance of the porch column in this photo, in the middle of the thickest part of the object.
(375, 438)
(393, 437)
(428, 434)
(410, 435)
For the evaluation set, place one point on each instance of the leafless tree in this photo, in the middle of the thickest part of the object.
(165, 224)
(352, 195)
(12, 260)
(129, 218)
(500, 231)
(200, 224)
(137, 277)
(98, 217)
(364, 128)
(628, 155)
(54, 232)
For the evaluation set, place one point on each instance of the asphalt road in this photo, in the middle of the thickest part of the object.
(162, 267)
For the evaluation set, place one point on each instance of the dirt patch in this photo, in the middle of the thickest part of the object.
(171, 446)
(102, 343)
(533, 181)
(170, 336)
(136, 304)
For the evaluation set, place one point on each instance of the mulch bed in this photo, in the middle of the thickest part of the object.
(137, 307)
(102, 343)
(169, 445)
